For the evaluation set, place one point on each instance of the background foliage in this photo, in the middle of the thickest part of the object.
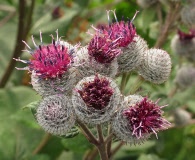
(20, 136)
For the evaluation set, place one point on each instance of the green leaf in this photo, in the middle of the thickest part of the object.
(16, 125)
(72, 133)
(60, 24)
(33, 107)
(191, 105)
(14, 98)
(146, 18)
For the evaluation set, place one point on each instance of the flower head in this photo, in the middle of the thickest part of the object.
(97, 93)
(186, 36)
(87, 66)
(183, 44)
(145, 117)
(156, 66)
(132, 56)
(96, 99)
(105, 45)
(49, 61)
(103, 49)
(55, 114)
(51, 67)
(125, 31)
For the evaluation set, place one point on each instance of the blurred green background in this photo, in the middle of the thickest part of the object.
(20, 135)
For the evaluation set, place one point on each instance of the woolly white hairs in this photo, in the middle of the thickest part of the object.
(121, 126)
(87, 66)
(131, 57)
(55, 114)
(156, 66)
(62, 85)
(91, 115)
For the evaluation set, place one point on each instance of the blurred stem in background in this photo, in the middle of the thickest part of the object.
(22, 33)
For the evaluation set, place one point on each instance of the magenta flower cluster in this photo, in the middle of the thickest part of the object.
(145, 118)
(50, 61)
(97, 93)
(78, 83)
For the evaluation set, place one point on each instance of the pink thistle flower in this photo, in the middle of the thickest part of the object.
(103, 49)
(105, 45)
(96, 99)
(50, 61)
(97, 93)
(51, 67)
(125, 30)
(145, 117)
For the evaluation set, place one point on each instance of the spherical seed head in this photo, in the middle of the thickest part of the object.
(131, 56)
(145, 118)
(97, 94)
(183, 44)
(55, 114)
(95, 99)
(156, 66)
(185, 77)
(50, 61)
(103, 49)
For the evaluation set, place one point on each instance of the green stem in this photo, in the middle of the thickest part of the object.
(123, 82)
(137, 85)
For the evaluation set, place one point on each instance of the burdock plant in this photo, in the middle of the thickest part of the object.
(78, 87)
